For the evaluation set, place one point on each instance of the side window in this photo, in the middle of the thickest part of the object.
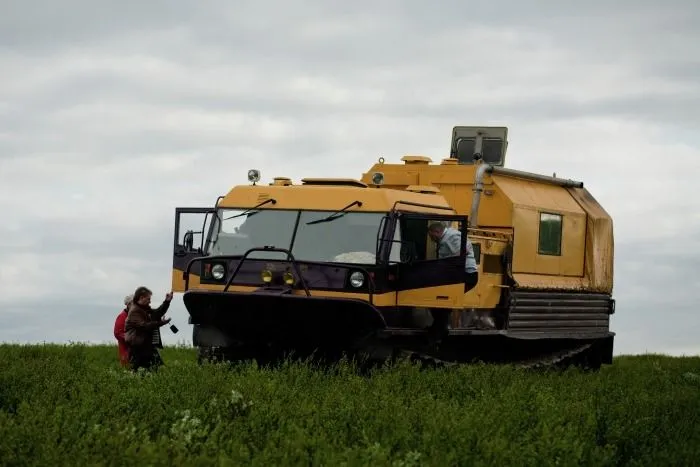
(193, 228)
(550, 234)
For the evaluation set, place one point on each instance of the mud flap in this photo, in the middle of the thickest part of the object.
(286, 320)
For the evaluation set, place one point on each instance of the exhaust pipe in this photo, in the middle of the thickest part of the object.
(478, 188)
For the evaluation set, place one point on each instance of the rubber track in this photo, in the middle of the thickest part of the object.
(543, 361)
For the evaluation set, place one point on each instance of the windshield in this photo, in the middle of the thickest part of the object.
(349, 237)
(243, 229)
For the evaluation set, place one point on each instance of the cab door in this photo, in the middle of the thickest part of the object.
(193, 228)
(423, 279)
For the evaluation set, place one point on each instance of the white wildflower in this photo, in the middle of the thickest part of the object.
(188, 427)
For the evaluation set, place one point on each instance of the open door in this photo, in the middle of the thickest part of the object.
(423, 278)
(193, 231)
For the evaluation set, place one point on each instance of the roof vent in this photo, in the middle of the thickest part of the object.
(423, 189)
(334, 182)
(281, 181)
(416, 160)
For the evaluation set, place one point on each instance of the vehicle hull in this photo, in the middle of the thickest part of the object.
(274, 323)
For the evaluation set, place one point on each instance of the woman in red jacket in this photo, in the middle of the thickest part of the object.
(119, 333)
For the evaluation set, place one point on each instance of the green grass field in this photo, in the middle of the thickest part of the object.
(73, 405)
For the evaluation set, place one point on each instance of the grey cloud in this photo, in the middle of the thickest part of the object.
(46, 24)
(239, 54)
(269, 26)
(89, 237)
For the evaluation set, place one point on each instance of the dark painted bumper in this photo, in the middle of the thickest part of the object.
(284, 318)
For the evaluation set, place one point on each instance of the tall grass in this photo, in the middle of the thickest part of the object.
(73, 405)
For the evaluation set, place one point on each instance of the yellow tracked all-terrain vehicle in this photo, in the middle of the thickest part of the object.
(344, 266)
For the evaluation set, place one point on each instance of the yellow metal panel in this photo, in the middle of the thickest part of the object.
(537, 281)
(444, 296)
(491, 290)
(600, 245)
(545, 264)
(472, 299)
(573, 244)
(541, 195)
(451, 195)
(529, 200)
(347, 181)
(401, 179)
(395, 174)
(587, 243)
(456, 184)
(330, 198)
(456, 196)
(525, 237)
(496, 209)
(602, 255)
(486, 293)
(449, 174)
(526, 245)
(178, 283)
(423, 189)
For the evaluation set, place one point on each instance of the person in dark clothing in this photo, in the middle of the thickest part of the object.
(142, 329)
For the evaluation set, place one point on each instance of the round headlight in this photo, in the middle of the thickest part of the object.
(218, 271)
(266, 275)
(357, 279)
(288, 278)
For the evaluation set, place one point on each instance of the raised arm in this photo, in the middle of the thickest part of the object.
(139, 320)
(163, 308)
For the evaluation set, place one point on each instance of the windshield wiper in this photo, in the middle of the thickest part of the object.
(270, 200)
(337, 214)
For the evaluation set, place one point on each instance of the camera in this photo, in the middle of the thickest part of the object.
(174, 329)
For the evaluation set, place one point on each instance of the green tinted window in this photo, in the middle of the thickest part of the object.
(550, 234)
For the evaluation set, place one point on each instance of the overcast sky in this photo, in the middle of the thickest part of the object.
(112, 114)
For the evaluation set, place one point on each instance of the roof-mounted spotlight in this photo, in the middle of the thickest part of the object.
(253, 176)
(377, 178)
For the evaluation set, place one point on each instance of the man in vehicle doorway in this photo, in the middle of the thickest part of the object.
(448, 242)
